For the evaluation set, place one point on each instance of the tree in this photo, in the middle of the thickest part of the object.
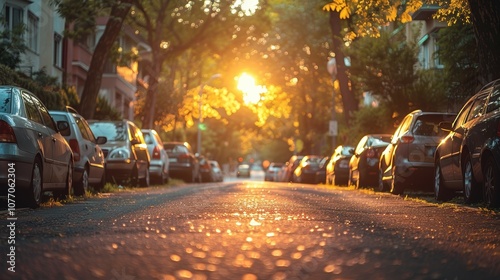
(483, 14)
(81, 14)
(11, 46)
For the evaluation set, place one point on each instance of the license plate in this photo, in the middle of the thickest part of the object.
(172, 160)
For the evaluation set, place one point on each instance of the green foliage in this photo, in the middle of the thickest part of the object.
(11, 46)
(53, 99)
(457, 52)
(44, 79)
(104, 111)
(370, 120)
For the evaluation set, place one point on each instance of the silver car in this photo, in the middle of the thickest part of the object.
(34, 156)
(158, 166)
(126, 153)
(408, 161)
(88, 155)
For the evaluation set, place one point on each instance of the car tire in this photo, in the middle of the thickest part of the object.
(397, 187)
(349, 181)
(491, 193)
(146, 180)
(101, 184)
(441, 193)
(35, 192)
(382, 186)
(82, 187)
(68, 190)
(472, 190)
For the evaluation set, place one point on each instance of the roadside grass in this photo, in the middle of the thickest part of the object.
(51, 201)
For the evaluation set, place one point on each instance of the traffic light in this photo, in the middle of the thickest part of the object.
(202, 126)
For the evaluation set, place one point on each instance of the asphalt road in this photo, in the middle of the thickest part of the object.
(252, 230)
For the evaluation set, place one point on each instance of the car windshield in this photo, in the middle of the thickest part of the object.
(111, 130)
(5, 101)
(174, 148)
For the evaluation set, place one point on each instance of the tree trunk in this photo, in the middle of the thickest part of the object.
(348, 99)
(94, 75)
(485, 16)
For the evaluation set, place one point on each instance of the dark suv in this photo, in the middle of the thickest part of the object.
(183, 163)
(408, 161)
(468, 159)
(126, 152)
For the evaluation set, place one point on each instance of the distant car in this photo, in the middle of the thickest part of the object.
(363, 165)
(206, 171)
(126, 152)
(183, 163)
(243, 171)
(408, 161)
(290, 165)
(468, 158)
(321, 172)
(34, 156)
(217, 171)
(337, 168)
(159, 163)
(272, 171)
(306, 170)
(88, 156)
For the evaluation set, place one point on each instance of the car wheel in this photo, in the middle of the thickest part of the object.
(472, 189)
(145, 181)
(101, 184)
(82, 187)
(161, 179)
(397, 187)
(34, 194)
(382, 186)
(440, 191)
(491, 193)
(350, 181)
(68, 189)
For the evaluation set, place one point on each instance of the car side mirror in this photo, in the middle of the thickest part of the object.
(101, 140)
(445, 126)
(63, 127)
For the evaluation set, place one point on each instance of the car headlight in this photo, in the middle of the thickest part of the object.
(119, 153)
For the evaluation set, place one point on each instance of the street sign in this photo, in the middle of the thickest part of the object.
(333, 129)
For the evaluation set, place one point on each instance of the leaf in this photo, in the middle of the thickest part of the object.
(392, 13)
(345, 13)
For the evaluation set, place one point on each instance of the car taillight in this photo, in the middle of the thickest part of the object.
(7, 133)
(371, 153)
(156, 153)
(407, 139)
(184, 158)
(75, 147)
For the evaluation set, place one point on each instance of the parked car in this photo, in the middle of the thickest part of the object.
(183, 163)
(159, 163)
(290, 166)
(243, 171)
(34, 156)
(272, 171)
(306, 170)
(468, 158)
(408, 161)
(217, 171)
(337, 168)
(363, 165)
(87, 154)
(321, 172)
(126, 152)
(206, 172)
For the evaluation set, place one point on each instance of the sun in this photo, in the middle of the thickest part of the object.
(251, 91)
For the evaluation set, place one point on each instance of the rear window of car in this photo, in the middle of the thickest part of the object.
(5, 101)
(111, 130)
(173, 148)
(428, 125)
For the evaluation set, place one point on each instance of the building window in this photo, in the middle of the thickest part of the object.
(437, 61)
(57, 50)
(32, 29)
(13, 17)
